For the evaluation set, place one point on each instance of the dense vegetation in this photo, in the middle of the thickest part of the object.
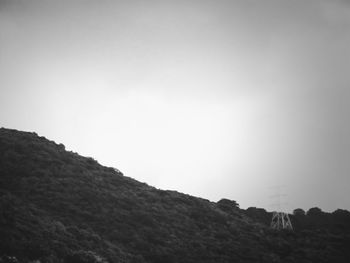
(57, 206)
(314, 219)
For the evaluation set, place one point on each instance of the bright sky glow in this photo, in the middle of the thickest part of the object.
(211, 98)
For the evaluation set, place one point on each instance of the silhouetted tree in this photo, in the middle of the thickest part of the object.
(299, 212)
(315, 211)
(226, 204)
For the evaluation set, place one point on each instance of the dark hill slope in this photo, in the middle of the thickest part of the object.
(57, 206)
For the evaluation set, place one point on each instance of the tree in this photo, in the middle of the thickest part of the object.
(226, 204)
(299, 212)
(315, 211)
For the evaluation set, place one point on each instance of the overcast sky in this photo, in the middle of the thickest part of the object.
(211, 98)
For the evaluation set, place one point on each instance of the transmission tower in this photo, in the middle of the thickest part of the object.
(280, 219)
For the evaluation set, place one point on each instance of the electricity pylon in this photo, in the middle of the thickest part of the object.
(280, 220)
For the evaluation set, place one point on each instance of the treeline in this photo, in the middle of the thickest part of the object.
(59, 207)
(313, 219)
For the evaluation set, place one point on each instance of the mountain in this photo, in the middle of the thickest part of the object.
(57, 206)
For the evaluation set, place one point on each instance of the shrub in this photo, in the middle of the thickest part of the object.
(84, 257)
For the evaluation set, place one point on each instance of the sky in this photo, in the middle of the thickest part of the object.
(244, 100)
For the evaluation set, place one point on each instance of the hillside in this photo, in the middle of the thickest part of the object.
(57, 206)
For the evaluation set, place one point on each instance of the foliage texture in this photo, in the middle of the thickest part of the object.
(57, 206)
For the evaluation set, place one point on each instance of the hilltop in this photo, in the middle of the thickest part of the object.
(57, 206)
